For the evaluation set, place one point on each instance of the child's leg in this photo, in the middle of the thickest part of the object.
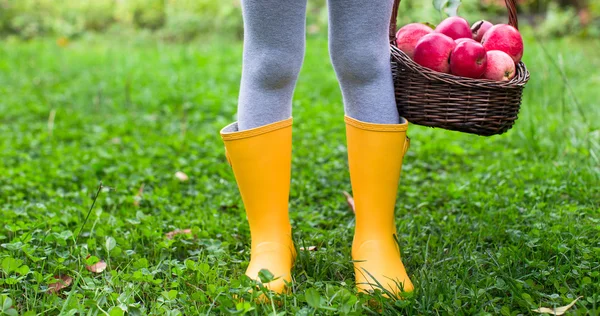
(259, 145)
(376, 137)
(274, 38)
(360, 52)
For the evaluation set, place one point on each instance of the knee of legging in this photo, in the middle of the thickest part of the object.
(272, 69)
(359, 63)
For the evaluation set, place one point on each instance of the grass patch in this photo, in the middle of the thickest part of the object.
(498, 225)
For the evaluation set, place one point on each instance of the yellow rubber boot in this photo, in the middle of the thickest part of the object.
(261, 162)
(375, 153)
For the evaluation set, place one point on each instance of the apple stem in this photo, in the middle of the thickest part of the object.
(477, 26)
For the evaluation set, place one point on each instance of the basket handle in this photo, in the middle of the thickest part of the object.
(511, 5)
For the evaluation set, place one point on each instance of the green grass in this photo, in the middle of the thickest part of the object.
(497, 225)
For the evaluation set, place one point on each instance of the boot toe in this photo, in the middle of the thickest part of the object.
(379, 265)
(278, 260)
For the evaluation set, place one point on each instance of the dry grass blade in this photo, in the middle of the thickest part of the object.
(350, 201)
(138, 196)
(558, 310)
(51, 117)
(309, 248)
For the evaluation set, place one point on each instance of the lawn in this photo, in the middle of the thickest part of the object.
(498, 225)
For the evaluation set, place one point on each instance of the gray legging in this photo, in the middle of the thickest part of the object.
(274, 40)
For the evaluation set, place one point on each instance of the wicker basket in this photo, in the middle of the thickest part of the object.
(477, 106)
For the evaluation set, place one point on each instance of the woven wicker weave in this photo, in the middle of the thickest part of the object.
(477, 106)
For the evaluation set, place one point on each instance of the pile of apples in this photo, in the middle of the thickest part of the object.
(482, 51)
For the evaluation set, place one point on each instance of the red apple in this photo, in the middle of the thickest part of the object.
(408, 36)
(462, 40)
(505, 38)
(479, 28)
(455, 27)
(433, 51)
(468, 60)
(500, 66)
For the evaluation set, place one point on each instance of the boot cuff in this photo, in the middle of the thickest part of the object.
(230, 132)
(403, 126)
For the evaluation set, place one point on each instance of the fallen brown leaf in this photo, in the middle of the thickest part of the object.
(63, 281)
(585, 17)
(181, 176)
(350, 201)
(138, 196)
(97, 267)
(172, 234)
(62, 42)
(556, 311)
